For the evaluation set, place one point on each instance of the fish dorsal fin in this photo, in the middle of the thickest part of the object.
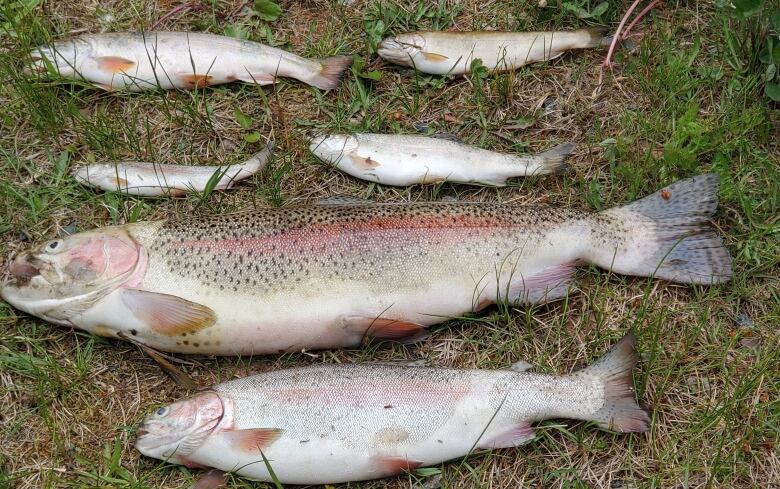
(520, 366)
(167, 314)
(342, 199)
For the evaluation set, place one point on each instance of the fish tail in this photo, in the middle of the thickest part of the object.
(597, 37)
(554, 160)
(665, 235)
(620, 412)
(332, 71)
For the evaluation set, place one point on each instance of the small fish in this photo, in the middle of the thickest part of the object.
(402, 160)
(150, 60)
(451, 53)
(327, 424)
(338, 273)
(152, 179)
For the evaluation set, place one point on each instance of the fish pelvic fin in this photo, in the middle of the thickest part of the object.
(620, 412)
(554, 160)
(670, 235)
(332, 71)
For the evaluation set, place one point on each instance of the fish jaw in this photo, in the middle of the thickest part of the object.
(67, 59)
(394, 50)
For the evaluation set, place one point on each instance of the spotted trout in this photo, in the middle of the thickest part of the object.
(336, 273)
(451, 53)
(338, 423)
(150, 60)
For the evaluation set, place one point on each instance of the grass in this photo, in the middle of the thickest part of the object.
(683, 102)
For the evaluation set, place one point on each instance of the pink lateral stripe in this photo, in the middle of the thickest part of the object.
(402, 229)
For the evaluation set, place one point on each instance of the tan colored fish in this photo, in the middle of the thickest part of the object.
(338, 423)
(445, 53)
(395, 159)
(333, 274)
(149, 60)
(152, 179)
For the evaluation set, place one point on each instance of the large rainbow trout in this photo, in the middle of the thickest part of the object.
(337, 423)
(335, 273)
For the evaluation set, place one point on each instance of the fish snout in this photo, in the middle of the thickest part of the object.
(23, 267)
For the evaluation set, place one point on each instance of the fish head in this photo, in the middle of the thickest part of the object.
(176, 430)
(404, 49)
(64, 58)
(333, 147)
(62, 278)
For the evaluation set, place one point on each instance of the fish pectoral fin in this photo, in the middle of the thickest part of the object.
(256, 78)
(251, 440)
(167, 314)
(114, 64)
(434, 57)
(363, 162)
(514, 436)
(214, 479)
(384, 329)
(395, 465)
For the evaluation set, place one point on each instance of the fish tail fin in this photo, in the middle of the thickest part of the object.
(620, 412)
(332, 71)
(666, 235)
(554, 160)
(597, 37)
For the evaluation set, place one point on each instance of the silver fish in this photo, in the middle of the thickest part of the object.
(394, 159)
(153, 179)
(150, 60)
(451, 53)
(339, 423)
(337, 273)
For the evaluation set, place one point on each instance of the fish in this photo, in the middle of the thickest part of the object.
(340, 272)
(185, 60)
(153, 179)
(326, 424)
(451, 53)
(401, 160)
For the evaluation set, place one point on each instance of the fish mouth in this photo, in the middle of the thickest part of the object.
(22, 269)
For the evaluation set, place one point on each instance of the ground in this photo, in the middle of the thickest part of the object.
(684, 98)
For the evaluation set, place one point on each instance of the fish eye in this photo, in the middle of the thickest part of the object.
(53, 246)
(162, 411)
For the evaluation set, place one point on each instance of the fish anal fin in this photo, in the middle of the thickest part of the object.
(251, 440)
(434, 57)
(382, 329)
(548, 284)
(114, 64)
(256, 78)
(167, 314)
(512, 437)
(214, 479)
(395, 465)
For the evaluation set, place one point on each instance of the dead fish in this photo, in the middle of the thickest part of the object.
(451, 53)
(339, 423)
(150, 60)
(152, 179)
(337, 273)
(394, 159)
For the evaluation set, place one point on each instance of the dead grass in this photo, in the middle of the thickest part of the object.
(70, 402)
